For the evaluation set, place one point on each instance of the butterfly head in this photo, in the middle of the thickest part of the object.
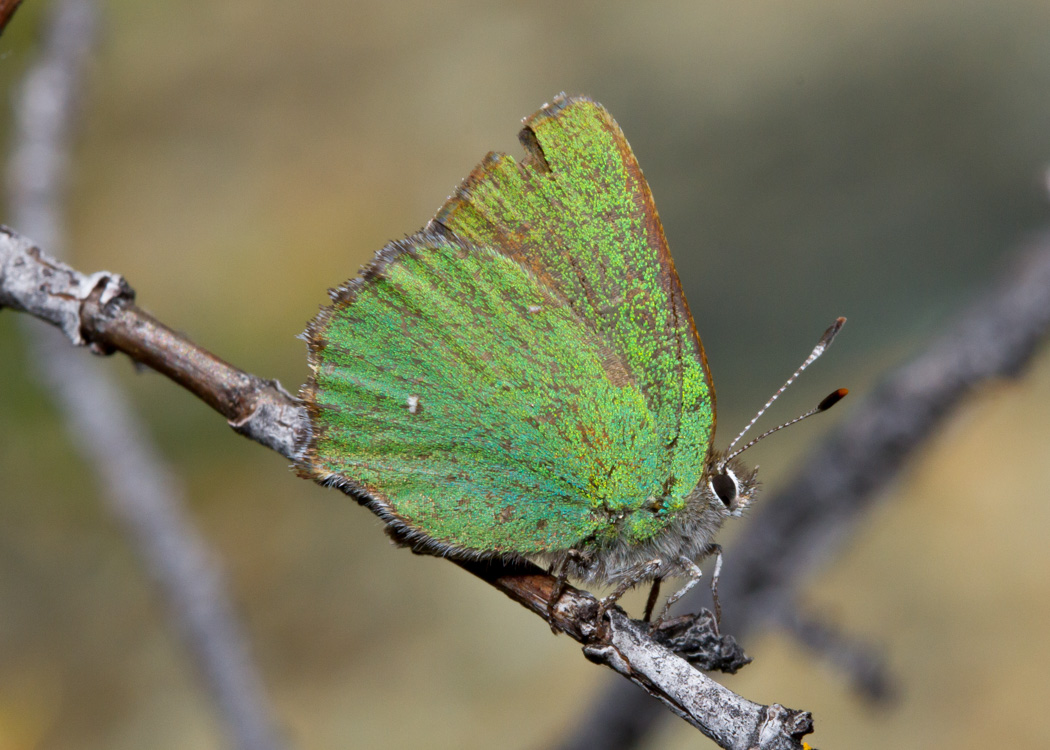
(729, 486)
(727, 481)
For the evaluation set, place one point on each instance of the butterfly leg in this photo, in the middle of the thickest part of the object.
(561, 581)
(646, 571)
(717, 550)
(694, 577)
(654, 594)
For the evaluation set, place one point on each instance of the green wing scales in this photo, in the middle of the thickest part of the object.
(522, 376)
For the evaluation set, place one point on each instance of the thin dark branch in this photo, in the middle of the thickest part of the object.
(804, 524)
(112, 321)
(137, 485)
(98, 311)
(863, 664)
(808, 520)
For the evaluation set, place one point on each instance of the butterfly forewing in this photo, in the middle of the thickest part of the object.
(579, 213)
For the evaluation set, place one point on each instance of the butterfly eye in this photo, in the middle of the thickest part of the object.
(725, 487)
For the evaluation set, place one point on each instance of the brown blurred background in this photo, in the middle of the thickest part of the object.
(809, 159)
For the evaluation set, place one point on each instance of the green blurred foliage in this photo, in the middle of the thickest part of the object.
(809, 159)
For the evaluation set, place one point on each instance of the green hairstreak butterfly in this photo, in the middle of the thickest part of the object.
(522, 378)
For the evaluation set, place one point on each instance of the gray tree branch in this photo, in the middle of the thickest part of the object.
(98, 311)
(137, 485)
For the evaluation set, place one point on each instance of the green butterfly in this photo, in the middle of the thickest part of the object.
(522, 378)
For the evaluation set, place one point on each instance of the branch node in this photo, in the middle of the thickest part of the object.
(607, 655)
(33, 281)
(110, 294)
(276, 420)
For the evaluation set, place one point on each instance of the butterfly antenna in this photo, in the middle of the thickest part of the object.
(820, 348)
(828, 401)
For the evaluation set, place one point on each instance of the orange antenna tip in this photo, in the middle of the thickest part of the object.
(831, 399)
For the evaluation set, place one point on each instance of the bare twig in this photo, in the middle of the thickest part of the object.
(136, 483)
(802, 525)
(97, 311)
(626, 646)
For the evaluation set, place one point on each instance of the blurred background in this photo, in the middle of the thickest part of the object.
(809, 159)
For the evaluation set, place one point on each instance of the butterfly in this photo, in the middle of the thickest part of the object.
(522, 378)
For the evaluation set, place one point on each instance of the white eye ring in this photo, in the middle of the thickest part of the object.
(726, 494)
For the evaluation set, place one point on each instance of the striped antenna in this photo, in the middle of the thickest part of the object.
(820, 348)
(828, 401)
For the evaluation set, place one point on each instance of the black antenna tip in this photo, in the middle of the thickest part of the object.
(832, 398)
